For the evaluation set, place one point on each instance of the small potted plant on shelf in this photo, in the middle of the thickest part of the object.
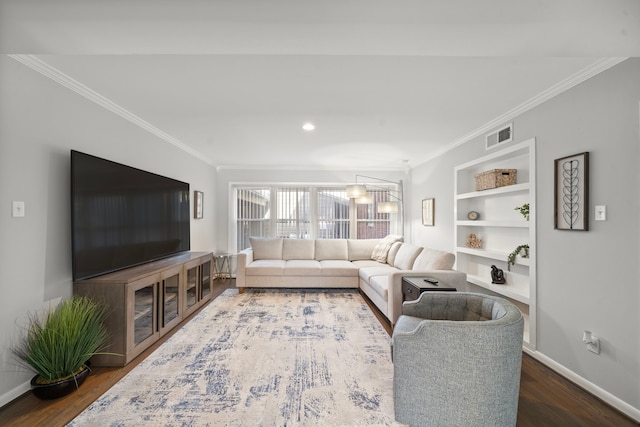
(58, 345)
(524, 210)
(511, 258)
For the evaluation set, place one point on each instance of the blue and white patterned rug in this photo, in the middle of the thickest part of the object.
(262, 358)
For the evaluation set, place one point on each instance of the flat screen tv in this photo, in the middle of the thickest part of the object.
(122, 216)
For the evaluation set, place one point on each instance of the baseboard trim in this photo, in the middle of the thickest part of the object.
(12, 395)
(620, 405)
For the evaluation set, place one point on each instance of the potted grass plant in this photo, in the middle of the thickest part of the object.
(57, 345)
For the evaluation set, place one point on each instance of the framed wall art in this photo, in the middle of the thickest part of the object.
(198, 202)
(571, 192)
(427, 212)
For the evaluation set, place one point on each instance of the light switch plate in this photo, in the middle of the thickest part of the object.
(601, 213)
(17, 209)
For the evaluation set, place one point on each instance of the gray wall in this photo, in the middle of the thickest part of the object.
(586, 280)
(40, 121)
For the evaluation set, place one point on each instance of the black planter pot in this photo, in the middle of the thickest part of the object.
(59, 388)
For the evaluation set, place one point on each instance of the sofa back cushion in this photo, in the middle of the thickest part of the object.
(266, 248)
(331, 249)
(298, 249)
(406, 255)
(433, 259)
(360, 249)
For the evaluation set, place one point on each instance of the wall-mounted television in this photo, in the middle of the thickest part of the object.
(122, 216)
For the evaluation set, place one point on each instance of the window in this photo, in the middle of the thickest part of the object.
(292, 214)
(370, 223)
(253, 210)
(306, 212)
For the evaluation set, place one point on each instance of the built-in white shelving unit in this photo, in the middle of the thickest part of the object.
(501, 229)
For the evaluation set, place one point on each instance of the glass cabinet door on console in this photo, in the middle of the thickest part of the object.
(198, 282)
(141, 310)
(170, 299)
(192, 288)
(205, 280)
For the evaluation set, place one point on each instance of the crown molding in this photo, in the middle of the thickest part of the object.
(592, 70)
(61, 78)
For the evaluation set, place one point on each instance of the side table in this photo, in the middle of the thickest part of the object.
(412, 287)
(222, 265)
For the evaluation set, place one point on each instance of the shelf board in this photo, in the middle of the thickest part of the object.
(508, 291)
(494, 191)
(497, 255)
(495, 223)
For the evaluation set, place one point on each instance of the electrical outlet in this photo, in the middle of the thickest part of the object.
(592, 342)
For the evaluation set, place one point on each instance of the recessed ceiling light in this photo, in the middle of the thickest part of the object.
(308, 126)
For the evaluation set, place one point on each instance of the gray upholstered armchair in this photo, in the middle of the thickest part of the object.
(457, 360)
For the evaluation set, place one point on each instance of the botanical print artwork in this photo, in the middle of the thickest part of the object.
(571, 193)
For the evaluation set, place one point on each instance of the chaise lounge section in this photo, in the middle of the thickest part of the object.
(375, 266)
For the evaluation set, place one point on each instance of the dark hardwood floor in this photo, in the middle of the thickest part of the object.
(546, 398)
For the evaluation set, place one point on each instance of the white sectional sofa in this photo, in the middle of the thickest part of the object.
(376, 266)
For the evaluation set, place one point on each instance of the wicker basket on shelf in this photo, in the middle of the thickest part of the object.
(495, 178)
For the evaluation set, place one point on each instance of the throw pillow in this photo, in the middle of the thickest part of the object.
(381, 250)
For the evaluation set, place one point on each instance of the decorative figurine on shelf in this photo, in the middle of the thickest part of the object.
(497, 276)
(473, 241)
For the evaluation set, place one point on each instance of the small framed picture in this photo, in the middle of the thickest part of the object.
(571, 192)
(427, 212)
(198, 201)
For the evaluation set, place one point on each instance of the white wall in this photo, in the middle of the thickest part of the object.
(586, 280)
(40, 121)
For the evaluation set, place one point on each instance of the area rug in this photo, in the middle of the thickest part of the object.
(262, 358)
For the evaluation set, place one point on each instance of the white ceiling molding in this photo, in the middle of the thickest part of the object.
(59, 77)
(555, 90)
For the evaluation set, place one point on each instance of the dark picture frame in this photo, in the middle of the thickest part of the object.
(571, 192)
(427, 212)
(198, 204)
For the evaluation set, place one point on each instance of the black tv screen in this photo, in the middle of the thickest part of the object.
(122, 216)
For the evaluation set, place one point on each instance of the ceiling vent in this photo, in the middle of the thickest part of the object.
(500, 137)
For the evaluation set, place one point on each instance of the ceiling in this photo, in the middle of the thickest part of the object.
(388, 84)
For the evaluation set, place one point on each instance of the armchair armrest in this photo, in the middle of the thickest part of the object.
(245, 257)
(454, 278)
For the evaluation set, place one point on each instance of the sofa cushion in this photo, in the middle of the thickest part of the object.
(302, 267)
(298, 249)
(338, 268)
(381, 249)
(393, 251)
(433, 259)
(369, 263)
(380, 285)
(406, 256)
(366, 273)
(361, 248)
(265, 248)
(266, 267)
(331, 249)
